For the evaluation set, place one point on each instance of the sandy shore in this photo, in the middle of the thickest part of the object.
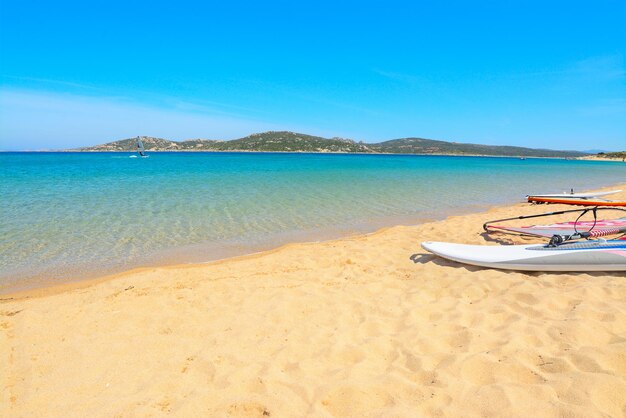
(363, 326)
(597, 158)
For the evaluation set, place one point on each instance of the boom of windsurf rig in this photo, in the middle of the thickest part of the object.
(556, 236)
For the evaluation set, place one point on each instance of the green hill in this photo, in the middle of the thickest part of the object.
(620, 155)
(149, 143)
(289, 142)
(283, 141)
(431, 146)
(266, 141)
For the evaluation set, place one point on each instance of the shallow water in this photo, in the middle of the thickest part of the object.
(71, 215)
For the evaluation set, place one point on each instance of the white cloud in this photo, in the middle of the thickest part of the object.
(31, 119)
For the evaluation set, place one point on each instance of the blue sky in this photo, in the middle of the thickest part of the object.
(528, 73)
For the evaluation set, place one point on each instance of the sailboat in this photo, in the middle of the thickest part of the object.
(140, 149)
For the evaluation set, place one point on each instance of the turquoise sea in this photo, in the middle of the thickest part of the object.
(66, 216)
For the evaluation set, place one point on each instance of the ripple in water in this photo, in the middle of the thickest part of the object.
(73, 215)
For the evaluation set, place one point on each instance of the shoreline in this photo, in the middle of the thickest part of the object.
(50, 286)
(195, 240)
(369, 325)
(595, 158)
(311, 152)
(57, 288)
(312, 236)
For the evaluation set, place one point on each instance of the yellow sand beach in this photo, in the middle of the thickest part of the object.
(363, 326)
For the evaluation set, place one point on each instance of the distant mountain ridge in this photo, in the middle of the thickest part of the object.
(284, 141)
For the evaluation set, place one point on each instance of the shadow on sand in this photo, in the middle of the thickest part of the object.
(424, 258)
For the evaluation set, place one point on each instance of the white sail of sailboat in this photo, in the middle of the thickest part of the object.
(140, 148)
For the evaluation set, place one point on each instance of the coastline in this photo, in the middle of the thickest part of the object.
(40, 284)
(43, 287)
(316, 153)
(364, 325)
(198, 232)
(596, 158)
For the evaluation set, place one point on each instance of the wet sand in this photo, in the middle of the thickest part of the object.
(363, 326)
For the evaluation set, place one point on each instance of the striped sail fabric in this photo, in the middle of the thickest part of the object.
(599, 229)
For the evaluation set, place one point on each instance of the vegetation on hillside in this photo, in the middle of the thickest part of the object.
(430, 146)
(289, 142)
(266, 141)
(617, 155)
(282, 141)
(149, 143)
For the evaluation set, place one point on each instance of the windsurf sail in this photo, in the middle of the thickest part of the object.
(594, 228)
(564, 231)
(140, 149)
